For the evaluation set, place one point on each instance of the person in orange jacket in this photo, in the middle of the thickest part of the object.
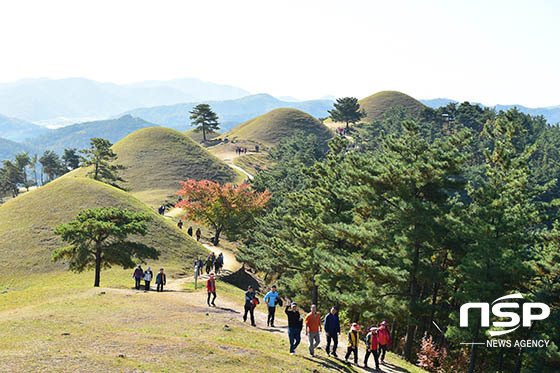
(384, 338)
(371, 347)
(211, 288)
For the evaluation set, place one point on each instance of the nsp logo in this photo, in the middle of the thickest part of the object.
(528, 315)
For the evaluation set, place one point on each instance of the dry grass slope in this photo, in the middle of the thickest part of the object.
(278, 124)
(157, 158)
(197, 135)
(375, 105)
(26, 231)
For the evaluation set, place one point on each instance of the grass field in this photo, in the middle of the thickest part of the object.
(157, 158)
(197, 135)
(278, 124)
(26, 232)
(376, 104)
(58, 323)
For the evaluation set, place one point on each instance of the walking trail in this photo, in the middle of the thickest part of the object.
(281, 327)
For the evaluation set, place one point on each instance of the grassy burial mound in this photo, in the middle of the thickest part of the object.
(157, 158)
(376, 105)
(26, 231)
(197, 135)
(278, 124)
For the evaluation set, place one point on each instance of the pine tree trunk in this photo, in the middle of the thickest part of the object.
(519, 361)
(315, 294)
(203, 133)
(501, 360)
(472, 363)
(411, 329)
(97, 267)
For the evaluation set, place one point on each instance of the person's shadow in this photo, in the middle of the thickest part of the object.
(330, 364)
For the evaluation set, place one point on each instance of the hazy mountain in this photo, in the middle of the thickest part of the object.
(18, 130)
(551, 113)
(79, 135)
(8, 149)
(231, 112)
(48, 99)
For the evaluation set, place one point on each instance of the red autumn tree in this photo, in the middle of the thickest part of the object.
(225, 208)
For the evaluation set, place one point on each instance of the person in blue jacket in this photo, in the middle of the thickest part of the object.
(332, 330)
(271, 300)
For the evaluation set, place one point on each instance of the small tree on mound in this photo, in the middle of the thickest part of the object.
(97, 239)
(226, 208)
(204, 119)
(347, 110)
(100, 155)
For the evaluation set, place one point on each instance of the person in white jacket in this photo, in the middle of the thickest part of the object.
(148, 278)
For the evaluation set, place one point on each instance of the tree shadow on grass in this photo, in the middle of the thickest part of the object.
(330, 364)
(393, 367)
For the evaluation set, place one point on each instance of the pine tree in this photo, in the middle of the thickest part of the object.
(204, 119)
(347, 110)
(101, 157)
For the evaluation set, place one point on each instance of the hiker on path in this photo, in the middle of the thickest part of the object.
(271, 299)
(353, 339)
(137, 276)
(220, 261)
(295, 324)
(384, 338)
(332, 330)
(198, 234)
(180, 224)
(208, 265)
(189, 231)
(213, 259)
(147, 279)
(313, 328)
(211, 288)
(250, 305)
(371, 347)
(161, 279)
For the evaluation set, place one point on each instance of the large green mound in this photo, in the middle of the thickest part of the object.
(157, 158)
(376, 105)
(270, 128)
(28, 221)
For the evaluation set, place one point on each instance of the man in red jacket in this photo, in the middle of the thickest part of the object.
(211, 288)
(384, 338)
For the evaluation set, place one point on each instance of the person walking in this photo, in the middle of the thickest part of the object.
(148, 275)
(271, 300)
(208, 265)
(198, 234)
(180, 224)
(332, 330)
(250, 305)
(213, 259)
(137, 276)
(295, 324)
(371, 347)
(161, 279)
(384, 338)
(353, 339)
(189, 231)
(211, 289)
(221, 260)
(313, 328)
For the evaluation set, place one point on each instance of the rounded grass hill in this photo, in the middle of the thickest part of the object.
(157, 158)
(26, 233)
(376, 104)
(270, 128)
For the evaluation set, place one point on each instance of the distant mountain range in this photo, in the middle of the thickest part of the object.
(18, 130)
(551, 113)
(78, 135)
(230, 112)
(49, 99)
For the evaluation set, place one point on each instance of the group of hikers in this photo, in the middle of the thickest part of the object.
(213, 262)
(147, 275)
(190, 230)
(377, 340)
(240, 150)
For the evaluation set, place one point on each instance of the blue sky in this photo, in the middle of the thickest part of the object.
(485, 51)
